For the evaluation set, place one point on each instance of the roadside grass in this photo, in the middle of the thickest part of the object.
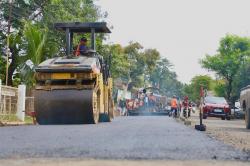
(28, 120)
(9, 118)
(13, 120)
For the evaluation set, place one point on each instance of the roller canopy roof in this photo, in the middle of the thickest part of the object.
(100, 27)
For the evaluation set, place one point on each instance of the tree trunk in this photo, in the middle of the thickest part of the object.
(229, 89)
(12, 66)
(10, 74)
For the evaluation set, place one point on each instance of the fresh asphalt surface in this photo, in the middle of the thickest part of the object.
(138, 137)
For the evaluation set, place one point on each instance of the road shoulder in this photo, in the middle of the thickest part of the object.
(92, 162)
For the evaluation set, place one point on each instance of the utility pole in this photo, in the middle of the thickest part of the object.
(8, 42)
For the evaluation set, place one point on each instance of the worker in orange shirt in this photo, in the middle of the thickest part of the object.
(82, 47)
(174, 106)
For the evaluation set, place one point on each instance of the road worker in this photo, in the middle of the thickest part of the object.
(82, 47)
(122, 105)
(152, 101)
(174, 106)
(186, 107)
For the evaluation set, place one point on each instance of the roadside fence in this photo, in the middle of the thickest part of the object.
(12, 103)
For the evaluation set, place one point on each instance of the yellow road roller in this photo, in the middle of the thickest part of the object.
(74, 89)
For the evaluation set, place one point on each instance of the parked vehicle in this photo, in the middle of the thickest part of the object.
(216, 107)
(245, 104)
(237, 111)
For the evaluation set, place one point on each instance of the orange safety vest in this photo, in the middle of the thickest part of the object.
(174, 103)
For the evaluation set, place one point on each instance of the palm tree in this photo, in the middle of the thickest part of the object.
(35, 40)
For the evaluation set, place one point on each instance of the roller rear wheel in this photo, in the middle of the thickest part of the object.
(108, 115)
(96, 107)
(111, 109)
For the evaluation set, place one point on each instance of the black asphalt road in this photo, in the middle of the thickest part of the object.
(141, 137)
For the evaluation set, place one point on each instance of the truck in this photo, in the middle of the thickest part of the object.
(245, 104)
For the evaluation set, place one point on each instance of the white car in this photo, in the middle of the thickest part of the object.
(237, 111)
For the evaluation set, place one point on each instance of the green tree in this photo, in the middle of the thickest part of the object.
(36, 39)
(150, 58)
(119, 60)
(35, 47)
(161, 72)
(20, 10)
(227, 61)
(242, 78)
(131, 63)
(193, 89)
(188, 91)
(198, 81)
(136, 65)
(165, 79)
(2, 68)
(15, 49)
(16, 12)
(44, 13)
(68, 11)
(220, 88)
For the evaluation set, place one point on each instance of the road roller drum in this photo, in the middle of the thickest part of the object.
(66, 106)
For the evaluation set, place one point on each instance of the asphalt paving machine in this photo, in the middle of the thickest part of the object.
(75, 89)
(147, 101)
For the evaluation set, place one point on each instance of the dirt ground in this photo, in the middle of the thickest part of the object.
(232, 132)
